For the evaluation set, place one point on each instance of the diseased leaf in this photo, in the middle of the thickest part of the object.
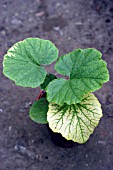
(87, 72)
(38, 111)
(48, 79)
(23, 61)
(75, 122)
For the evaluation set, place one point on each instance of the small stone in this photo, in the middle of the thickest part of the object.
(102, 142)
(1, 110)
(86, 156)
(16, 14)
(61, 32)
(20, 146)
(40, 14)
(16, 21)
(69, 38)
(56, 28)
(31, 11)
(58, 4)
(25, 152)
(86, 164)
(21, 110)
(10, 127)
(67, 11)
(32, 141)
(76, 14)
(20, 149)
(100, 161)
(78, 23)
(3, 32)
(27, 104)
(4, 5)
(30, 19)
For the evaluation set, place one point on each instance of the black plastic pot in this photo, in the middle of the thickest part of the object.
(57, 137)
(59, 140)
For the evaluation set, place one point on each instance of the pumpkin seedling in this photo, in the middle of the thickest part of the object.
(68, 106)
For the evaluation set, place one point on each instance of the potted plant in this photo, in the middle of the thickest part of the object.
(65, 104)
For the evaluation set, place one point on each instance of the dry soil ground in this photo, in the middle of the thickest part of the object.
(25, 145)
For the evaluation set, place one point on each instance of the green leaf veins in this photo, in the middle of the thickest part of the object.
(87, 72)
(77, 121)
(24, 61)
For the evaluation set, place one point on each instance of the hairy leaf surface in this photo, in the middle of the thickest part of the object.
(23, 61)
(75, 122)
(38, 111)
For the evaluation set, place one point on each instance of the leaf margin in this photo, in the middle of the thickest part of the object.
(56, 130)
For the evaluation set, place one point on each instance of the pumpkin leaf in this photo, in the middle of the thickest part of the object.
(38, 111)
(75, 122)
(24, 61)
(87, 72)
(62, 91)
